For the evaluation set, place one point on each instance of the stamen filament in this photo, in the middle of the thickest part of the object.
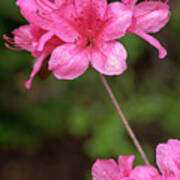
(45, 6)
(12, 48)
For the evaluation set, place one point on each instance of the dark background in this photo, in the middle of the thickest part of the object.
(58, 128)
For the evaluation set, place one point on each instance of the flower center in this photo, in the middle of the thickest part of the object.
(90, 42)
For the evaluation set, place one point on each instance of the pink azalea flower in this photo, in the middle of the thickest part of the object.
(89, 28)
(110, 170)
(149, 17)
(123, 170)
(144, 173)
(86, 27)
(168, 161)
(168, 158)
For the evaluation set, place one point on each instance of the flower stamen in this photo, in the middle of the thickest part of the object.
(12, 48)
(45, 5)
(8, 39)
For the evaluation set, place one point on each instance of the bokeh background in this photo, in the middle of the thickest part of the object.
(58, 128)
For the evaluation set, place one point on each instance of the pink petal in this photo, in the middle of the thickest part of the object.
(23, 37)
(37, 32)
(110, 58)
(89, 17)
(59, 20)
(68, 62)
(168, 157)
(51, 44)
(144, 173)
(175, 145)
(30, 11)
(44, 38)
(154, 42)
(151, 16)
(36, 69)
(170, 178)
(46, 44)
(118, 18)
(60, 2)
(43, 41)
(105, 170)
(65, 23)
(129, 2)
(88, 7)
(125, 165)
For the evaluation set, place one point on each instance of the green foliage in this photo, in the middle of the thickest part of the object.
(133, 44)
(8, 9)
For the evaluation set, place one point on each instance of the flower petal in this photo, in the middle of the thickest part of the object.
(36, 69)
(125, 165)
(44, 38)
(96, 8)
(55, 20)
(23, 37)
(65, 23)
(60, 2)
(37, 32)
(144, 173)
(129, 2)
(68, 62)
(168, 157)
(118, 19)
(105, 170)
(154, 42)
(151, 16)
(171, 177)
(30, 10)
(110, 58)
(46, 44)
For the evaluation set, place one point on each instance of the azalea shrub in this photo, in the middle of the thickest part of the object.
(145, 81)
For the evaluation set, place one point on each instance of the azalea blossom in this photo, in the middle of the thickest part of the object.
(170, 153)
(110, 170)
(168, 161)
(149, 17)
(88, 28)
(74, 34)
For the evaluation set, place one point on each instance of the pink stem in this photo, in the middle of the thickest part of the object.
(124, 121)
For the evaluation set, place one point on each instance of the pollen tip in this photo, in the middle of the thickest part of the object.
(27, 84)
(5, 37)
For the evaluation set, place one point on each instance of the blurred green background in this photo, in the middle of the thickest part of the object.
(58, 128)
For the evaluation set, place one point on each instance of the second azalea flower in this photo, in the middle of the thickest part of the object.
(167, 158)
(149, 17)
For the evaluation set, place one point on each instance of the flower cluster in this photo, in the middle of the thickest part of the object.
(167, 158)
(67, 35)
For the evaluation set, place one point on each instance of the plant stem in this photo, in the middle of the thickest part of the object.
(124, 121)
